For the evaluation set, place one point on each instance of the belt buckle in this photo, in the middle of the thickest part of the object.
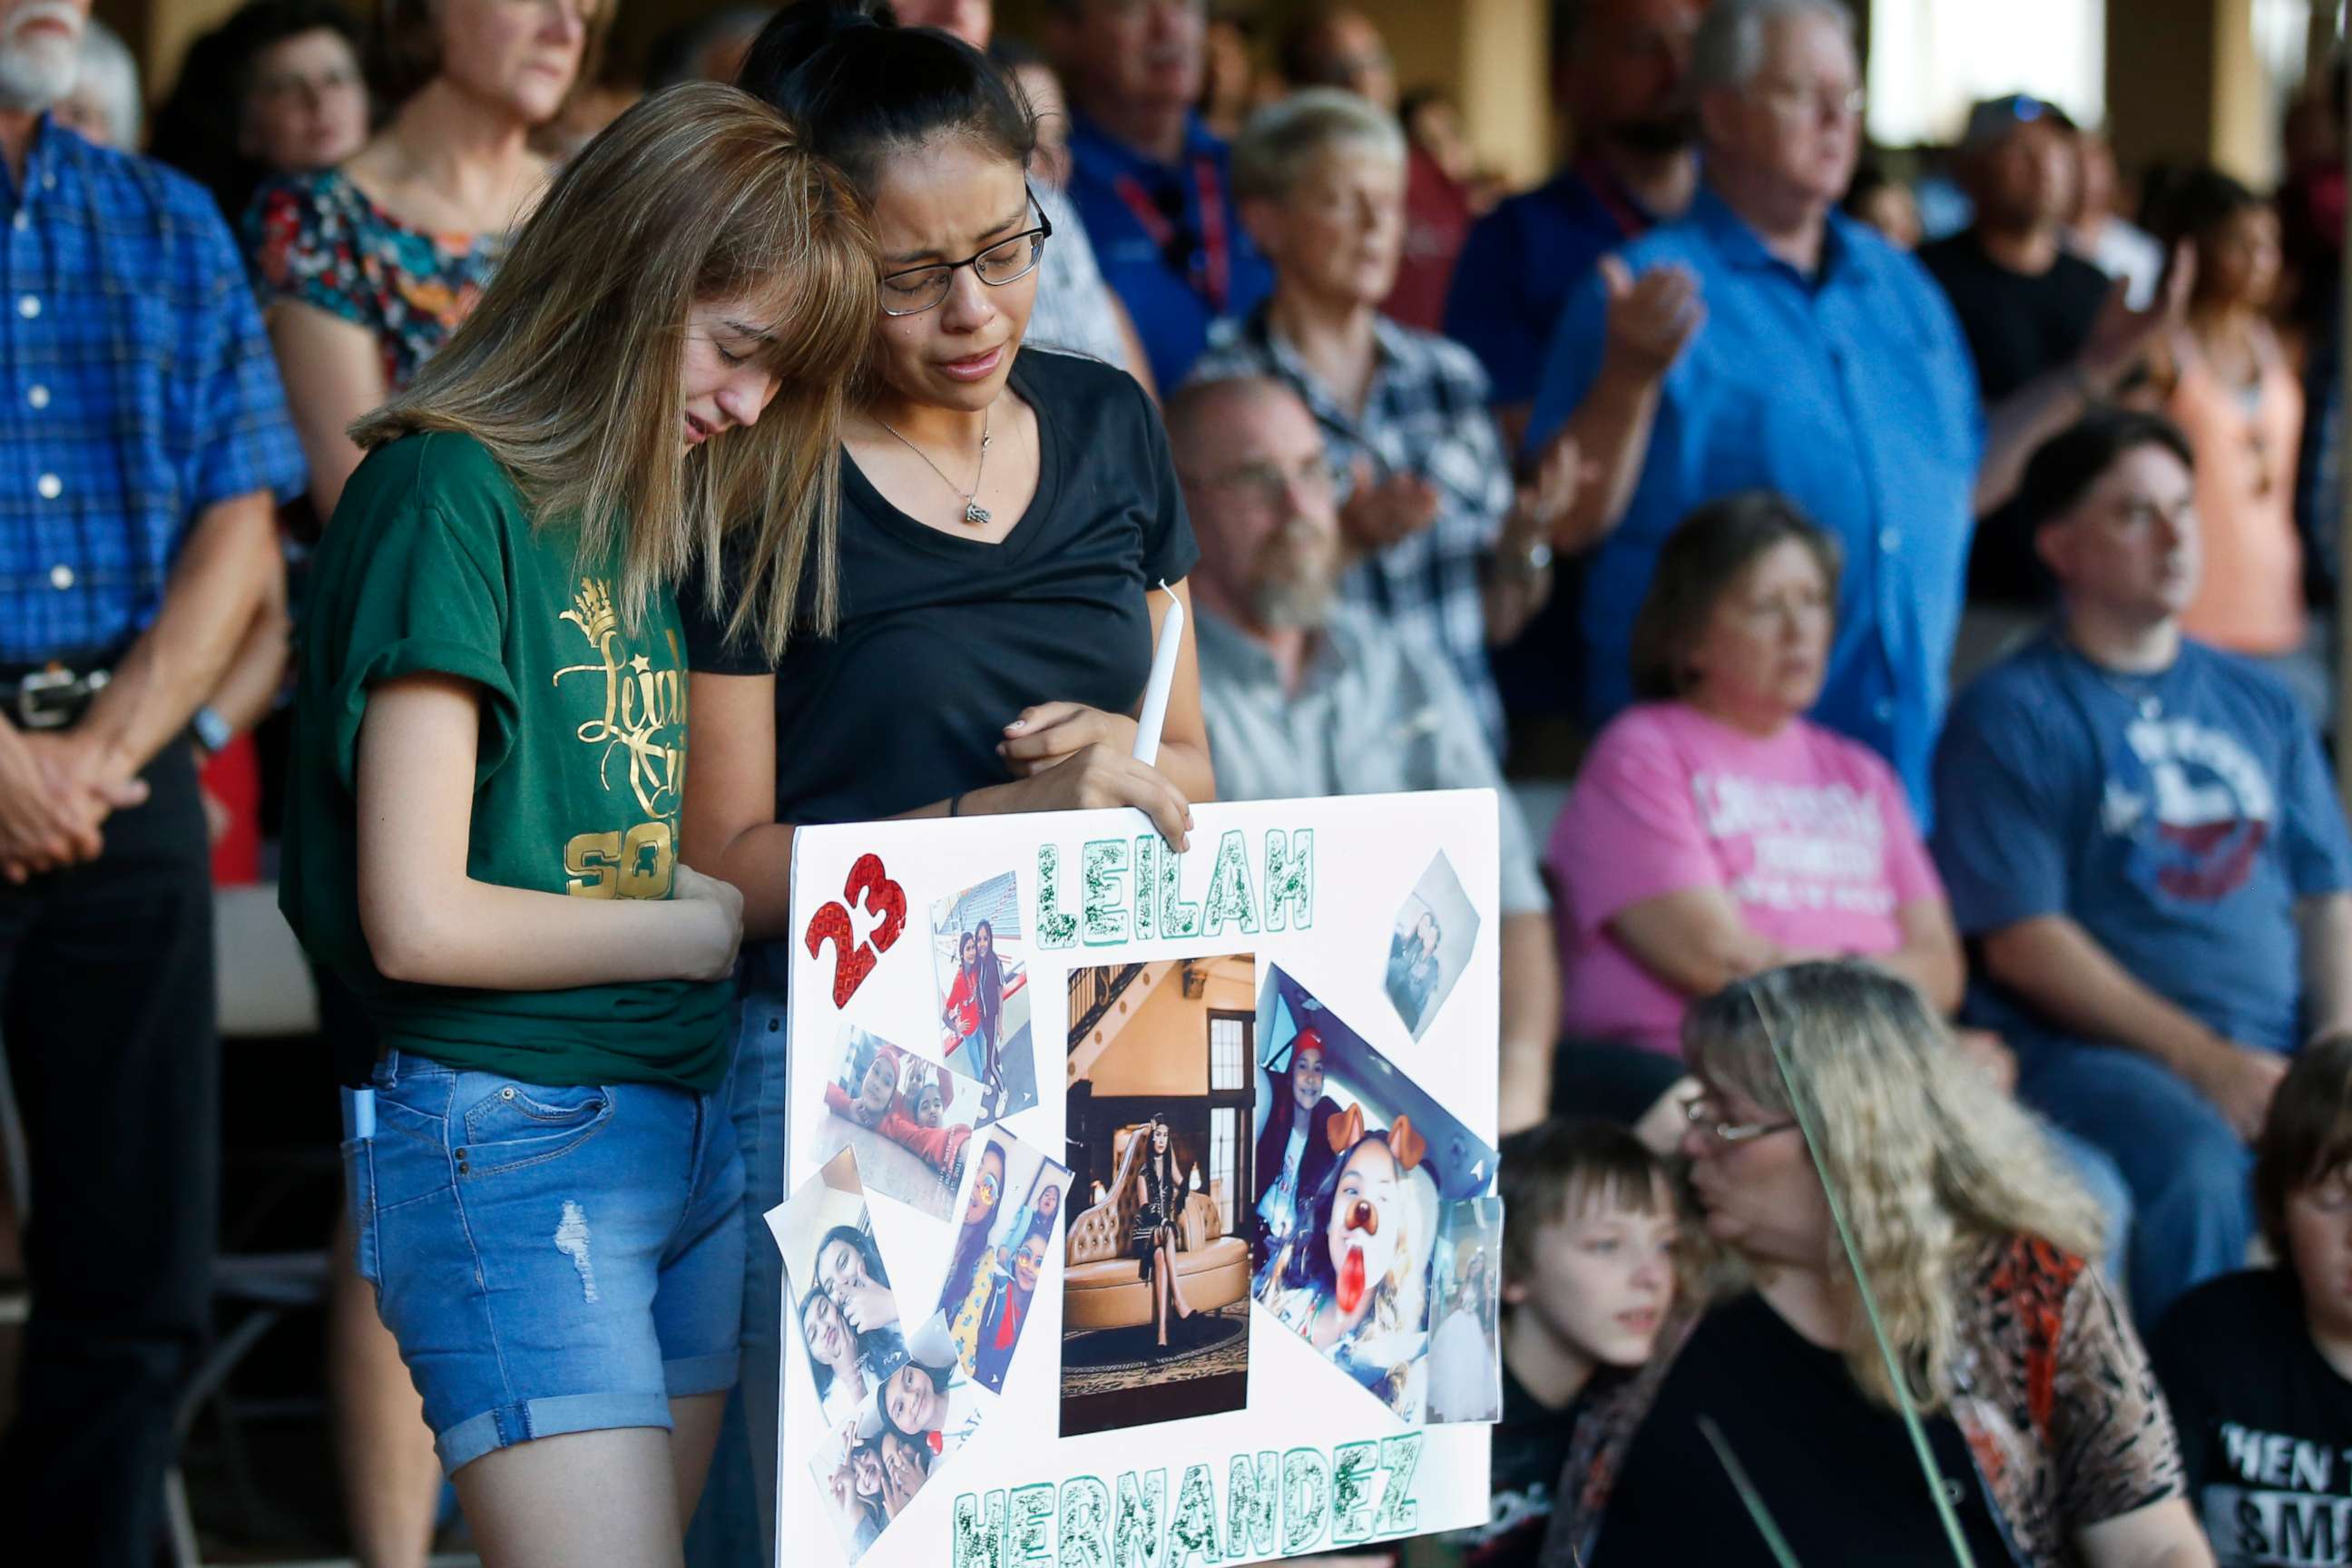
(33, 713)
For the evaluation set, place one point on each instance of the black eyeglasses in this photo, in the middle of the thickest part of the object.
(921, 289)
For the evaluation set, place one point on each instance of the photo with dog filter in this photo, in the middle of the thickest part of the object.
(909, 1119)
(904, 1434)
(1435, 928)
(1156, 1271)
(838, 1291)
(1011, 1214)
(980, 954)
(1360, 1231)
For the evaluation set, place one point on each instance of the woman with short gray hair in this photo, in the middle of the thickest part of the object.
(1443, 544)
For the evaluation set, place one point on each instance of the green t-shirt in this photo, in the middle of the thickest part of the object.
(433, 566)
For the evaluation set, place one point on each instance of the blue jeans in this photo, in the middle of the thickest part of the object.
(736, 1525)
(2187, 1167)
(549, 1260)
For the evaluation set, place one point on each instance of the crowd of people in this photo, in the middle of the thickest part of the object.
(1929, 1114)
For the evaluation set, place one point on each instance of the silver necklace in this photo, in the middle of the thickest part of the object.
(973, 513)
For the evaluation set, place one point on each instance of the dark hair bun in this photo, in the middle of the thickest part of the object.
(861, 87)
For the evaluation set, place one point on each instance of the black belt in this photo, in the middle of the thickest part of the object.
(49, 695)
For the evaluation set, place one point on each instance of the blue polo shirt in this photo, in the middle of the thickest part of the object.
(1851, 393)
(1517, 267)
(1173, 305)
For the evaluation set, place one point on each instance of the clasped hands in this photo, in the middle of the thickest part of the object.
(57, 787)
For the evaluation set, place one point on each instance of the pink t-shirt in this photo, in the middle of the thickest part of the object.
(1807, 831)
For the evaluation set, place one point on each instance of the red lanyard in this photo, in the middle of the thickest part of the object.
(1630, 220)
(1211, 270)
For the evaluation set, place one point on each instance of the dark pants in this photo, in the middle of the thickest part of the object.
(106, 970)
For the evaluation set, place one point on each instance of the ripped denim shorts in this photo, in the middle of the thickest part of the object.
(549, 1260)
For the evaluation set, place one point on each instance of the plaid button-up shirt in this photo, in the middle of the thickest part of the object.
(136, 390)
(1425, 414)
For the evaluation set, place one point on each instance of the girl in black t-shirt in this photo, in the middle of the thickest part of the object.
(1005, 518)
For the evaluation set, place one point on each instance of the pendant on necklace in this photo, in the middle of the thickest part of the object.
(973, 513)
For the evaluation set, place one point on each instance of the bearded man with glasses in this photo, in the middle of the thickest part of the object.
(1307, 696)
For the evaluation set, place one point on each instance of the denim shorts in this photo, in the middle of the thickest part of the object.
(549, 1259)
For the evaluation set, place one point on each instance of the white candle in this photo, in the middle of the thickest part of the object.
(1163, 676)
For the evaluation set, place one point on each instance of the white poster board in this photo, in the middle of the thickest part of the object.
(976, 1195)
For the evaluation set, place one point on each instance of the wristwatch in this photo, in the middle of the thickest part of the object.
(212, 732)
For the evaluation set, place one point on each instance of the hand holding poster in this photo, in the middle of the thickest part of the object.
(1225, 1292)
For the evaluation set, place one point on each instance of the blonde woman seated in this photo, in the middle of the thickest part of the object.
(2050, 1440)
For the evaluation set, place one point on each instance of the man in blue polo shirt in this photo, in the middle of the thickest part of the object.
(142, 440)
(1814, 359)
(1151, 184)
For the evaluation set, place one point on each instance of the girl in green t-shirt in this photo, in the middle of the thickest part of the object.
(490, 744)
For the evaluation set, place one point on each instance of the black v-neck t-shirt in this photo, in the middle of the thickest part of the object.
(944, 639)
(1837, 1474)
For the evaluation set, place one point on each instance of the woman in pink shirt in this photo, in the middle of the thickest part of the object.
(1715, 832)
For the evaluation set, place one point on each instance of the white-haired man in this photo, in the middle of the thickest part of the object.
(142, 439)
(1765, 340)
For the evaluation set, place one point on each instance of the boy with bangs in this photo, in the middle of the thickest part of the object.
(1589, 1232)
(2258, 1364)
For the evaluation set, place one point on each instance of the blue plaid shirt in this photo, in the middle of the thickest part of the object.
(136, 390)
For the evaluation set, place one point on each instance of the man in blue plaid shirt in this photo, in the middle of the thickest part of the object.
(144, 440)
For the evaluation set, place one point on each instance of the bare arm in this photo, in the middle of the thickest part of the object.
(333, 374)
(1693, 940)
(1531, 1018)
(2018, 425)
(1614, 423)
(250, 688)
(1514, 592)
(216, 590)
(2120, 341)
(1931, 955)
(728, 826)
(2057, 966)
(429, 922)
(1649, 324)
(2327, 926)
(2161, 1535)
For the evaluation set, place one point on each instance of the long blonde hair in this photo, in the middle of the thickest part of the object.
(1932, 1162)
(568, 368)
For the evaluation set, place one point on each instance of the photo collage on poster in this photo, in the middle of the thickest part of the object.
(1238, 1162)
(1372, 1208)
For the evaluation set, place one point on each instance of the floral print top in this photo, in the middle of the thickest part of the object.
(318, 238)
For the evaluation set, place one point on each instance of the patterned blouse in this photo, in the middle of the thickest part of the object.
(318, 238)
(2059, 1405)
